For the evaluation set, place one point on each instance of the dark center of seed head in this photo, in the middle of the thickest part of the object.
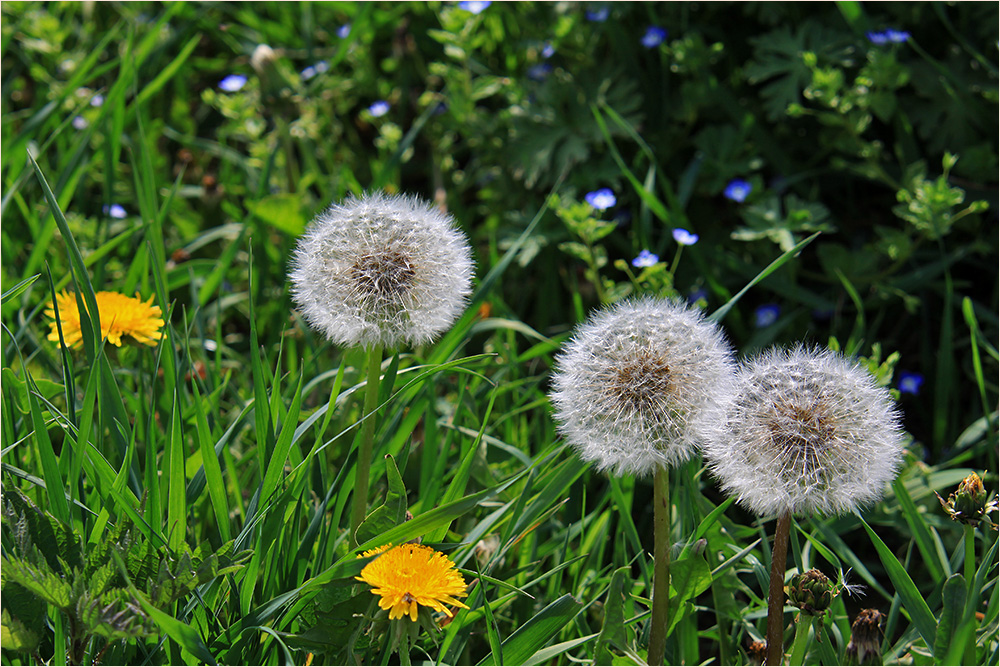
(386, 275)
(801, 432)
(642, 383)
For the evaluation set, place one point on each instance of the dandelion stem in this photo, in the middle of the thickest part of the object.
(776, 594)
(367, 442)
(801, 640)
(660, 622)
(970, 580)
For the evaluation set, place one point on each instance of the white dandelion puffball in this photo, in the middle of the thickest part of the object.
(809, 432)
(641, 385)
(381, 270)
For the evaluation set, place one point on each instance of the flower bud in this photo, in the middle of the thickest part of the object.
(812, 592)
(866, 638)
(968, 503)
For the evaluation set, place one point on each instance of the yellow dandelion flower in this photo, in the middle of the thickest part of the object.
(120, 316)
(413, 574)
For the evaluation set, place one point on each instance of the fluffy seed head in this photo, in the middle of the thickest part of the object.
(641, 385)
(381, 270)
(808, 431)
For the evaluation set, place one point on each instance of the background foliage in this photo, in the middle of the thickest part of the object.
(172, 186)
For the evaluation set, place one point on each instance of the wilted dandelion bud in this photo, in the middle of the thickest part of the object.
(866, 638)
(641, 385)
(381, 270)
(812, 592)
(968, 503)
(757, 652)
(808, 431)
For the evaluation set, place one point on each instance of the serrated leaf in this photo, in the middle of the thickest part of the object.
(23, 619)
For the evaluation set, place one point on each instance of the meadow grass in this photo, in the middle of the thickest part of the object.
(188, 502)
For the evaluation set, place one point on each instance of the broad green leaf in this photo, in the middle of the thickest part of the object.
(390, 513)
(953, 600)
(283, 211)
(613, 628)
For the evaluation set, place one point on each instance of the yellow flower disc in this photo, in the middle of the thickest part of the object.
(120, 316)
(413, 574)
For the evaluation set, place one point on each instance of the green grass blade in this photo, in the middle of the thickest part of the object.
(921, 533)
(538, 631)
(176, 481)
(54, 484)
(213, 470)
(913, 602)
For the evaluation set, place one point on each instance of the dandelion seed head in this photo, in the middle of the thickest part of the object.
(641, 385)
(809, 431)
(381, 270)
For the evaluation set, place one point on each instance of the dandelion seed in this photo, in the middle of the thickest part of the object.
(120, 316)
(233, 83)
(413, 575)
(381, 270)
(684, 237)
(379, 108)
(808, 431)
(641, 385)
(601, 199)
(645, 259)
(766, 315)
(909, 383)
(474, 6)
(653, 37)
(737, 190)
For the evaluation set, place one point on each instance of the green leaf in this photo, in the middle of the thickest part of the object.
(390, 513)
(921, 533)
(953, 599)
(18, 289)
(538, 631)
(913, 602)
(283, 211)
(613, 628)
(23, 618)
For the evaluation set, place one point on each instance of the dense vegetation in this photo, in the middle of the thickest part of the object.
(823, 173)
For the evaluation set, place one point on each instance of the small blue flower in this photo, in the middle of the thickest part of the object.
(766, 315)
(599, 15)
(97, 100)
(441, 108)
(909, 383)
(308, 73)
(115, 211)
(344, 30)
(232, 83)
(379, 108)
(698, 295)
(877, 37)
(654, 36)
(539, 72)
(897, 36)
(548, 50)
(737, 190)
(474, 6)
(80, 123)
(601, 199)
(684, 237)
(645, 259)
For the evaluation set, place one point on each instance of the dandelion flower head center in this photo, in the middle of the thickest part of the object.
(120, 315)
(386, 275)
(641, 383)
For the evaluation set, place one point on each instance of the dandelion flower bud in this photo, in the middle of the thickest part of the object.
(812, 592)
(381, 270)
(866, 638)
(968, 503)
(641, 385)
(808, 431)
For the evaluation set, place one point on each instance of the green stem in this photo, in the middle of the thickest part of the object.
(801, 641)
(970, 579)
(776, 594)
(660, 622)
(366, 445)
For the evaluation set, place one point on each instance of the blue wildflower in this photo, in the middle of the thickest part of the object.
(766, 315)
(80, 123)
(441, 108)
(313, 70)
(599, 15)
(115, 211)
(645, 259)
(539, 72)
(232, 83)
(684, 237)
(344, 30)
(700, 294)
(654, 36)
(737, 190)
(548, 50)
(909, 383)
(890, 35)
(601, 199)
(379, 108)
(308, 73)
(474, 6)
(97, 100)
